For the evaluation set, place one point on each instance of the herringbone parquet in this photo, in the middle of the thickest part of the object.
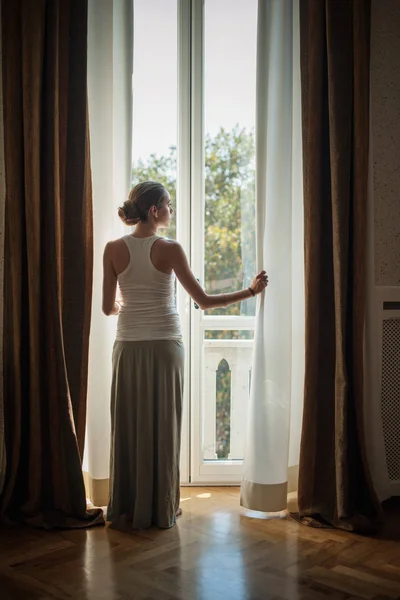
(218, 551)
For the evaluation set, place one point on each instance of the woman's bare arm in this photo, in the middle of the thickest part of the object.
(206, 301)
(110, 306)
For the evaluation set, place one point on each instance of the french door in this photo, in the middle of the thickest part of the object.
(193, 129)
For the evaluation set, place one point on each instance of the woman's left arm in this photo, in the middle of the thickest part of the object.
(110, 306)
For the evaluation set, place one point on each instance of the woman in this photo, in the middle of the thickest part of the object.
(148, 359)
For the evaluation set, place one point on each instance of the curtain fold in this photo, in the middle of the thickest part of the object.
(48, 261)
(275, 408)
(2, 209)
(334, 481)
(110, 69)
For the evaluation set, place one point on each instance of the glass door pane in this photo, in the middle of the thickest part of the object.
(230, 35)
(224, 245)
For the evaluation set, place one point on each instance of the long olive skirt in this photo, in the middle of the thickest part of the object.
(146, 417)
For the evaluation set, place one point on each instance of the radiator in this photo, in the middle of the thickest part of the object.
(390, 387)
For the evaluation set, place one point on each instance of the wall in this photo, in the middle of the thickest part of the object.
(382, 385)
(385, 107)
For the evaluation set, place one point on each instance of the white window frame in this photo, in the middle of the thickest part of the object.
(183, 213)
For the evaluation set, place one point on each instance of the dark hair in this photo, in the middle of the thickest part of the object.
(141, 198)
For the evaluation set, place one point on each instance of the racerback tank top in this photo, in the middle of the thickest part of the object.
(148, 303)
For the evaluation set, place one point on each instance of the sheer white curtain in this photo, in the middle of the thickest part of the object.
(2, 209)
(276, 398)
(110, 69)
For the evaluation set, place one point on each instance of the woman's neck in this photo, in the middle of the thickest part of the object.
(143, 230)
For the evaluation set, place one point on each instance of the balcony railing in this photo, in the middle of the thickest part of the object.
(225, 395)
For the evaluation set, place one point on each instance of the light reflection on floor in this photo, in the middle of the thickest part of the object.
(221, 567)
(96, 551)
(255, 514)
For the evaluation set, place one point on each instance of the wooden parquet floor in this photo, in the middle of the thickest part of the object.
(218, 551)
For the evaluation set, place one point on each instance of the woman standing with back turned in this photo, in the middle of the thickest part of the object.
(148, 359)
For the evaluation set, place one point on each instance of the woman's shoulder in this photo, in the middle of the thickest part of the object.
(168, 247)
(170, 252)
(115, 245)
(167, 243)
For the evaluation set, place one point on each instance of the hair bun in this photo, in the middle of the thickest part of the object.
(129, 213)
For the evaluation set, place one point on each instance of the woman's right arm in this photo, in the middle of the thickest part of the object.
(206, 301)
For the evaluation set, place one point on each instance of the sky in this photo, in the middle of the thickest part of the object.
(230, 70)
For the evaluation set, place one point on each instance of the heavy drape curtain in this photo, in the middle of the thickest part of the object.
(48, 261)
(110, 68)
(2, 208)
(334, 482)
(275, 409)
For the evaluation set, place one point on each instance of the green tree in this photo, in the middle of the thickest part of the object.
(229, 214)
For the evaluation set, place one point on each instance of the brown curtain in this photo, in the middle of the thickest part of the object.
(334, 481)
(48, 260)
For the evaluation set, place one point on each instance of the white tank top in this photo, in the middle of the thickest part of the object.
(148, 307)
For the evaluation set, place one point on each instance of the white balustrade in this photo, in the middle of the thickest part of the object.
(238, 354)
